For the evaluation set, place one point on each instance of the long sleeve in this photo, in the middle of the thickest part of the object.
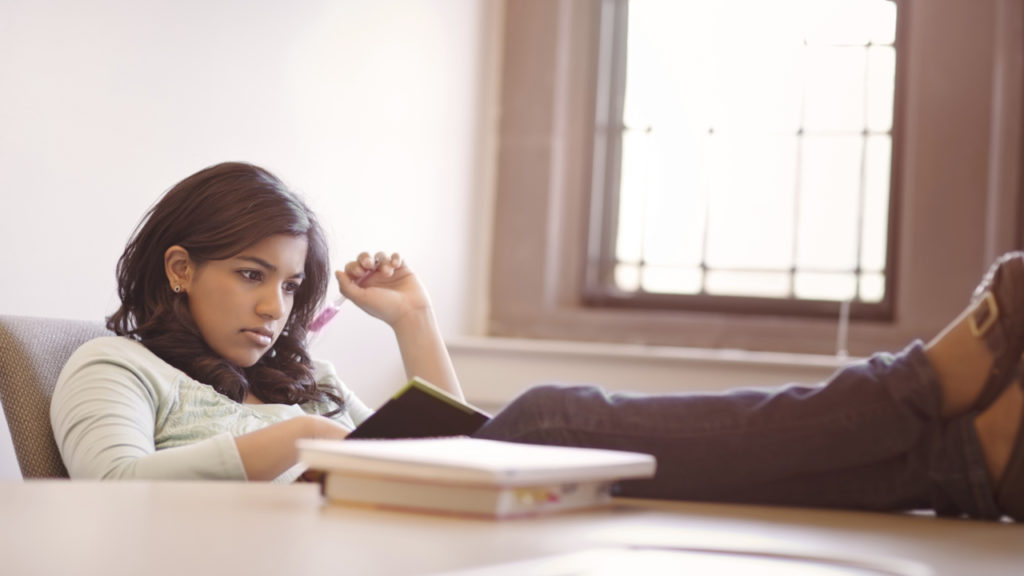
(120, 411)
(105, 413)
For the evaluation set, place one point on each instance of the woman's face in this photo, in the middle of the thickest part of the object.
(242, 304)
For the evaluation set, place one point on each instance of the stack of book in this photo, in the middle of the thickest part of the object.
(463, 475)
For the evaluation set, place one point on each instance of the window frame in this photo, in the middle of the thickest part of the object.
(957, 170)
(598, 286)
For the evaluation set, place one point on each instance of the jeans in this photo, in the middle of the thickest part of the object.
(869, 438)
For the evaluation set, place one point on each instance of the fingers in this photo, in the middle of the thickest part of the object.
(386, 266)
(355, 270)
(363, 266)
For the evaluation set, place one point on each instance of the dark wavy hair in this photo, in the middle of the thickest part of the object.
(215, 214)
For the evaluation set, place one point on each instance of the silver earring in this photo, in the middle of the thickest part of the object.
(177, 288)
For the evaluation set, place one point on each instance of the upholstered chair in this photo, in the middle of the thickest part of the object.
(32, 353)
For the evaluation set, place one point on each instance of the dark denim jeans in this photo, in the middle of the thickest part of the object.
(869, 438)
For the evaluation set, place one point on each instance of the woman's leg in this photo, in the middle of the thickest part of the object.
(1000, 431)
(936, 426)
(871, 437)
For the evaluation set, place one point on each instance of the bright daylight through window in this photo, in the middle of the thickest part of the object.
(755, 147)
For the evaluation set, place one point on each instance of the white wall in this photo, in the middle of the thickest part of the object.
(9, 470)
(379, 112)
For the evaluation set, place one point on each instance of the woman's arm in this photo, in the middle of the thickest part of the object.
(104, 413)
(424, 353)
(269, 452)
(390, 291)
(107, 406)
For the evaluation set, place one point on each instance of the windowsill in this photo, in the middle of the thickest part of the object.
(493, 371)
(639, 352)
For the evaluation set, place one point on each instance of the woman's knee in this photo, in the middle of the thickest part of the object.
(542, 407)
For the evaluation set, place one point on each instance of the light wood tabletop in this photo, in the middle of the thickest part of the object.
(155, 528)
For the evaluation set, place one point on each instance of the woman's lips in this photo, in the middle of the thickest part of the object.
(259, 337)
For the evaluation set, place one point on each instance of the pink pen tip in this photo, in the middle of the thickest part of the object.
(331, 310)
(321, 319)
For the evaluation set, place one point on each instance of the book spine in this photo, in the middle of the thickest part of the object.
(495, 502)
(529, 501)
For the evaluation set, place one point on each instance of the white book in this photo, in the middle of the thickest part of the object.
(490, 501)
(464, 460)
(470, 475)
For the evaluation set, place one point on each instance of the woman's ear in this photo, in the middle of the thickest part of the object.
(179, 268)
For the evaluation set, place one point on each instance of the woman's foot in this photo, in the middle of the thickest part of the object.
(976, 355)
(1002, 443)
(962, 364)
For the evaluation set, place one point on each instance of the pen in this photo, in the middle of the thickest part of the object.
(326, 314)
(331, 309)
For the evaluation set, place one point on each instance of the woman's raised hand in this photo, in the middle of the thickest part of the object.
(383, 286)
(386, 288)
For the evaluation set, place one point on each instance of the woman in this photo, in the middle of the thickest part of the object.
(217, 286)
(209, 378)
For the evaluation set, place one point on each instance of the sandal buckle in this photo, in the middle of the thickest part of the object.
(989, 320)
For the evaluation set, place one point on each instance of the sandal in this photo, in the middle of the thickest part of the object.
(998, 319)
(1010, 494)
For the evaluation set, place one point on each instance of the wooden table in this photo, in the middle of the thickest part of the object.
(140, 528)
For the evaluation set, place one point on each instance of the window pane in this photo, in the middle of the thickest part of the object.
(835, 89)
(881, 82)
(878, 155)
(849, 22)
(815, 286)
(658, 81)
(627, 277)
(676, 206)
(757, 89)
(827, 235)
(872, 287)
(629, 244)
(750, 223)
(672, 280)
(763, 284)
(882, 21)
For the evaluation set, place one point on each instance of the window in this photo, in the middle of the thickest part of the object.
(746, 160)
(956, 183)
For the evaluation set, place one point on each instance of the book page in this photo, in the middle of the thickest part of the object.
(474, 460)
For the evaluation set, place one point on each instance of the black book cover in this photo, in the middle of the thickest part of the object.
(420, 410)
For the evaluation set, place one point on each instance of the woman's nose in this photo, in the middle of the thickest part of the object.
(271, 304)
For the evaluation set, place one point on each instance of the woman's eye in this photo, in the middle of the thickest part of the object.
(291, 287)
(251, 275)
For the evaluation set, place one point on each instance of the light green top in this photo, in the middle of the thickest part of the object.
(119, 411)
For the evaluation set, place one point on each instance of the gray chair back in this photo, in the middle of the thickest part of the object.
(32, 353)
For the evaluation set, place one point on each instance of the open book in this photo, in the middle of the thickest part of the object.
(421, 409)
(469, 475)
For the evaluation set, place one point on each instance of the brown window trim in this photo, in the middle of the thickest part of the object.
(959, 182)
